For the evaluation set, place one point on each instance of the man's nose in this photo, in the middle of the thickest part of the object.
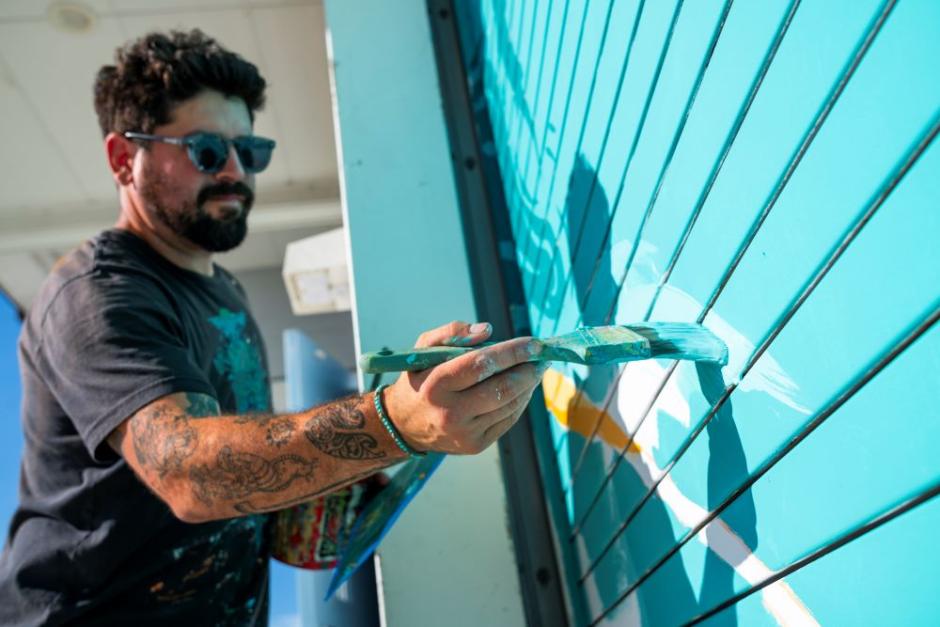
(233, 170)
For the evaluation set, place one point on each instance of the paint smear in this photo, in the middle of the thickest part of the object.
(577, 413)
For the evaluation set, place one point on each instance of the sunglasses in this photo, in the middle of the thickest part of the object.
(209, 151)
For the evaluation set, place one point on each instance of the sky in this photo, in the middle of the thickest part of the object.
(284, 611)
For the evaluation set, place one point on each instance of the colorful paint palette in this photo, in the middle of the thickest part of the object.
(380, 515)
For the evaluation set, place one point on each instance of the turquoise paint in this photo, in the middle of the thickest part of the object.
(594, 92)
(882, 600)
(736, 60)
(877, 327)
(654, 23)
(881, 474)
(525, 127)
(812, 56)
(241, 362)
(578, 97)
(532, 147)
(568, 53)
(885, 281)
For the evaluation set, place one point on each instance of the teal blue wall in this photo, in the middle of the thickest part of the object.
(768, 168)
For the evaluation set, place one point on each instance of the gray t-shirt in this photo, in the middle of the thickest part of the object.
(116, 326)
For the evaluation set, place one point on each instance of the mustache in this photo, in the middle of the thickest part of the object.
(225, 189)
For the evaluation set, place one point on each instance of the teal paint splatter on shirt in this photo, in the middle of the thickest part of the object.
(240, 362)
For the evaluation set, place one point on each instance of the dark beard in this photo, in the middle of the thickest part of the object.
(192, 221)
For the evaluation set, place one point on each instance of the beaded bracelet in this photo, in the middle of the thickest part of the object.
(390, 427)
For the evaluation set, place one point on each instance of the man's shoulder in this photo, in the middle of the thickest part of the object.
(109, 262)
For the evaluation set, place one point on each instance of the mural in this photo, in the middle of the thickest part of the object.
(769, 169)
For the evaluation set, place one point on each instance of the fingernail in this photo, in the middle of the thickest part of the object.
(479, 327)
(535, 347)
(542, 367)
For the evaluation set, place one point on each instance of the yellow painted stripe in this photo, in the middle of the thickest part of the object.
(577, 413)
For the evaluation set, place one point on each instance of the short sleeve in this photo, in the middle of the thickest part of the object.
(110, 344)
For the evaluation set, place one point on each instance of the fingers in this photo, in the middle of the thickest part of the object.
(476, 366)
(499, 429)
(508, 410)
(456, 333)
(499, 390)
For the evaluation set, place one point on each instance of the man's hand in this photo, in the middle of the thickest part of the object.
(466, 404)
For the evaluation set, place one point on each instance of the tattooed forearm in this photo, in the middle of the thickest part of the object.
(163, 438)
(336, 430)
(239, 475)
(209, 465)
(280, 432)
(247, 507)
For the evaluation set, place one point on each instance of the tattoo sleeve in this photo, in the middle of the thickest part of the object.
(247, 507)
(337, 430)
(163, 438)
(239, 475)
(280, 432)
(207, 465)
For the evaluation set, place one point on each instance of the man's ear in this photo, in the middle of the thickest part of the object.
(121, 153)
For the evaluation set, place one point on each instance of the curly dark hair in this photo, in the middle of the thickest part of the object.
(158, 71)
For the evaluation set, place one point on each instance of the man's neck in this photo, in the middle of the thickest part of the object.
(169, 245)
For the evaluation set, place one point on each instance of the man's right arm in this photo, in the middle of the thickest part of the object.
(207, 466)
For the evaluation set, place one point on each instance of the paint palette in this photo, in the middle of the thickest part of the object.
(380, 515)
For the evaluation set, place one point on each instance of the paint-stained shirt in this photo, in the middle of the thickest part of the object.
(115, 327)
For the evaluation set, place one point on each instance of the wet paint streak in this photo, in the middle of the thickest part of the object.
(577, 413)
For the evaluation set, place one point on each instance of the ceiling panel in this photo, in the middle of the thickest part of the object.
(36, 9)
(56, 72)
(34, 170)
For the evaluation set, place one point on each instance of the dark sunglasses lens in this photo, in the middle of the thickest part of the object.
(254, 152)
(208, 152)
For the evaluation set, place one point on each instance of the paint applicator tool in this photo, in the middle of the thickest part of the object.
(588, 346)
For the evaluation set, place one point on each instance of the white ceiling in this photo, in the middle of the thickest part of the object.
(56, 187)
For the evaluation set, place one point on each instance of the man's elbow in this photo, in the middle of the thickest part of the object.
(186, 506)
(189, 514)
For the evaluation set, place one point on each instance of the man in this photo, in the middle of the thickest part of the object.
(150, 454)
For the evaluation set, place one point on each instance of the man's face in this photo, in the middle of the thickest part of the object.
(209, 210)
